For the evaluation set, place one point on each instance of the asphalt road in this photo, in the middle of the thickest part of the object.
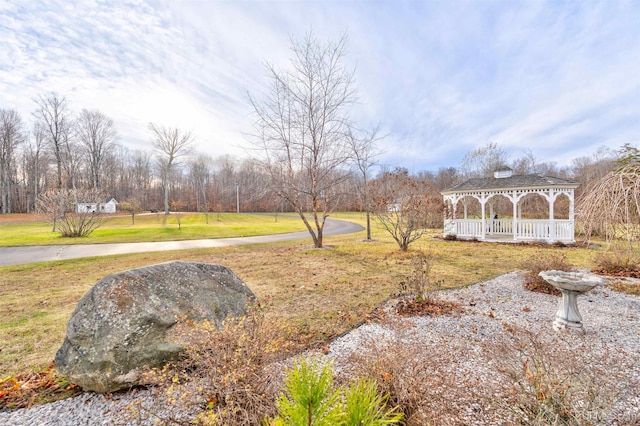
(29, 254)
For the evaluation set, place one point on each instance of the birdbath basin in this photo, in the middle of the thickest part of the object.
(571, 285)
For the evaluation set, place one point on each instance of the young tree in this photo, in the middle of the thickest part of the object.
(302, 126)
(177, 207)
(405, 206)
(11, 136)
(97, 135)
(171, 145)
(364, 151)
(132, 206)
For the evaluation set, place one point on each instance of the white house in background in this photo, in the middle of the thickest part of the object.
(516, 189)
(108, 206)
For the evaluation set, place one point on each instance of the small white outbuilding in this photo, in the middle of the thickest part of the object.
(108, 206)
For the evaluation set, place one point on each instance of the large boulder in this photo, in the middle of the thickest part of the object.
(124, 322)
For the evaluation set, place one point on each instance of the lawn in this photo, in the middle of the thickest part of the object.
(150, 227)
(321, 292)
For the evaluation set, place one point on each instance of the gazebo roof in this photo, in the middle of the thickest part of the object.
(511, 182)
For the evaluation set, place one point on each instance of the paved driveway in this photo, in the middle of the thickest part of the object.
(29, 254)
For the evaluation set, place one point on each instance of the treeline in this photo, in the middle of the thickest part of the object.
(56, 149)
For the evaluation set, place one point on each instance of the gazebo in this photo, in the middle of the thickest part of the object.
(487, 226)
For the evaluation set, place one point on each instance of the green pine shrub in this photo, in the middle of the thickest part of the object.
(310, 398)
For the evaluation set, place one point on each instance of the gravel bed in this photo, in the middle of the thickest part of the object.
(456, 345)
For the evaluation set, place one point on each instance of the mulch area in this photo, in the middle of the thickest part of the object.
(426, 307)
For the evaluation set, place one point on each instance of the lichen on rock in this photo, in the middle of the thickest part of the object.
(124, 322)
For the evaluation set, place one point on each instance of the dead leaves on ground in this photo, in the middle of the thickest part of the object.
(426, 307)
(27, 389)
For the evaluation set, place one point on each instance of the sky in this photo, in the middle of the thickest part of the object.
(559, 79)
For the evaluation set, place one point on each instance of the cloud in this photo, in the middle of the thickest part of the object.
(441, 78)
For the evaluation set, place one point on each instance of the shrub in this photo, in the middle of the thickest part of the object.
(222, 375)
(425, 289)
(365, 406)
(420, 378)
(60, 206)
(310, 398)
(629, 288)
(420, 281)
(559, 384)
(619, 261)
(536, 264)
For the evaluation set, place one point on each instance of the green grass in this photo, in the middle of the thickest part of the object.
(322, 293)
(153, 228)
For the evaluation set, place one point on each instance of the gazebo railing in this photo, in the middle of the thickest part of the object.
(533, 229)
(540, 229)
(499, 226)
(469, 228)
(564, 230)
(526, 229)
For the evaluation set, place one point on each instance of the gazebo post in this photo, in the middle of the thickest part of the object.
(572, 216)
(552, 226)
(484, 220)
(514, 201)
(491, 222)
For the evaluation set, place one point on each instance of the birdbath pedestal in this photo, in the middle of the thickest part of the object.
(571, 285)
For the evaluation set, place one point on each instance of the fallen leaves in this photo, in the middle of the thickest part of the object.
(426, 307)
(27, 389)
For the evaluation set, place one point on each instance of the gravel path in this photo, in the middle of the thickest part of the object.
(492, 310)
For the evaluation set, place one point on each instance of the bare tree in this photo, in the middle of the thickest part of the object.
(73, 221)
(11, 135)
(140, 176)
(71, 159)
(483, 161)
(364, 151)
(525, 164)
(200, 172)
(405, 206)
(52, 115)
(446, 178)
(171, 145)
(97, 136)
(256, 196)
(302, 126)
(34, 163)
(611, 205)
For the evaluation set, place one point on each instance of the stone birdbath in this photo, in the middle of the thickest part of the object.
(571, 285)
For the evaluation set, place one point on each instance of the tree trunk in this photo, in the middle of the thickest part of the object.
(166, 192)
(317, 243)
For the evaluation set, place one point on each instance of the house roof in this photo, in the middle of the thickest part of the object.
(511, 182)
(106, 200)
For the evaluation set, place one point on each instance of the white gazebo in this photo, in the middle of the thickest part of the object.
(487, 226)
